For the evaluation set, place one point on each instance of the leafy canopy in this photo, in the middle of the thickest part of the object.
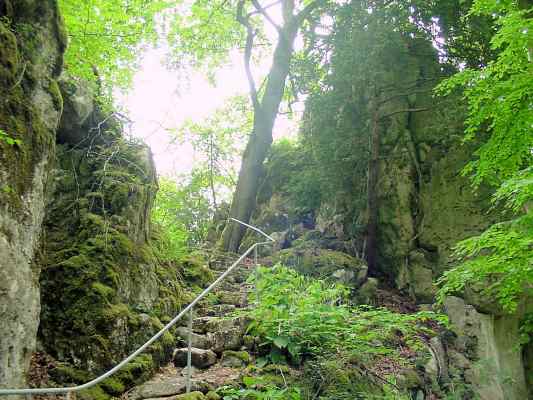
(182, 213)
(106, 38)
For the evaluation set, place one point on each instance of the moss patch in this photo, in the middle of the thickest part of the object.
(104, 290)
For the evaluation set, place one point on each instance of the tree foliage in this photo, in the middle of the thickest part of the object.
(182, 214)
(218, 142)
(106, 38)
(499, 97)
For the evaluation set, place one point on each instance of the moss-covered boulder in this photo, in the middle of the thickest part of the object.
(324, 264)
(235, 359)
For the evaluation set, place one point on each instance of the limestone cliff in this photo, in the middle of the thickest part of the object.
(78, 256)
(32, 44)
(104, 289)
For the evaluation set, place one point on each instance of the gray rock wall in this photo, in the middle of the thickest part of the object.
(493, 365)
(32, 42)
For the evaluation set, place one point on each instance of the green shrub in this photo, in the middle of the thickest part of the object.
(300, 317)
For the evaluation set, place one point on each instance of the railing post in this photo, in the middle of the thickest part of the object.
(256, 280)
(189, 353)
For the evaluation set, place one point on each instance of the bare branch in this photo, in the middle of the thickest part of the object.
(262, 11)
(245, 21)
(267, 6)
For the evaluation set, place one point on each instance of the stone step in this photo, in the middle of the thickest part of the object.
(163, 387)
(218, 324)
(200, 358)
(198, 341)
(218, 310)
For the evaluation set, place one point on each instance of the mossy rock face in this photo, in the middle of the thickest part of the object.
(324, 263)
(29, 113)
(9, 56)
(212, 396)
(235, 359)
(104, 289)
(196, 271)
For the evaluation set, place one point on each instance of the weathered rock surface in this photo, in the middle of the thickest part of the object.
(164, 388)
(324, 263)
(198, 341)
(200, 358)
(493, 364)
(30, 107)
(235, 359)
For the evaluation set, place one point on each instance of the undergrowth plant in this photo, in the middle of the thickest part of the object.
(303, 319)
(256, 389)
(6, 138)
(298, 316)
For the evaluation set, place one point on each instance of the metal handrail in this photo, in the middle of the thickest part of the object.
(116, 368)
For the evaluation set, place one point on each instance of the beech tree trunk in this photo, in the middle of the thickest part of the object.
(260, 140)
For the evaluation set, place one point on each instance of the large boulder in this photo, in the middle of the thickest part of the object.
(200, 358)
(324, 263)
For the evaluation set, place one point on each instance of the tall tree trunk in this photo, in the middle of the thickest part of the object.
(372, 195)
(260, 140)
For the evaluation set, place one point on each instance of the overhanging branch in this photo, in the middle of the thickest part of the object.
(308, 9)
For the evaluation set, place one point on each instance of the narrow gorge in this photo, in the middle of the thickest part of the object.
(367, 207)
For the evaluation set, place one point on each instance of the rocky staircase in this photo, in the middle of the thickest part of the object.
(220, 347)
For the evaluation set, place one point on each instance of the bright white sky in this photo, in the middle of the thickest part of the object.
(158, 102)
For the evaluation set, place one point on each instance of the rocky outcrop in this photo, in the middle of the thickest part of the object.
(424, 204)
(104, 291)
(486, 355)
(31, 53)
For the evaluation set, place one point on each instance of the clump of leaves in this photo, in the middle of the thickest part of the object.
(6, 138)
(255, 388)
(107, 37)
(500, 259)
(301, 317)
(183, 214)
(499, 100)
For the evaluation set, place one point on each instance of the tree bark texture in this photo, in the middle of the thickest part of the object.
(261, 138)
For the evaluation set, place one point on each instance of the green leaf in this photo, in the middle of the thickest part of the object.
(261, 362)
(281, 341)
(249, 381)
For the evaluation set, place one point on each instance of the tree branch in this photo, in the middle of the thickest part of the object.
(399, 96)
(262, 11)
(248, 52)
